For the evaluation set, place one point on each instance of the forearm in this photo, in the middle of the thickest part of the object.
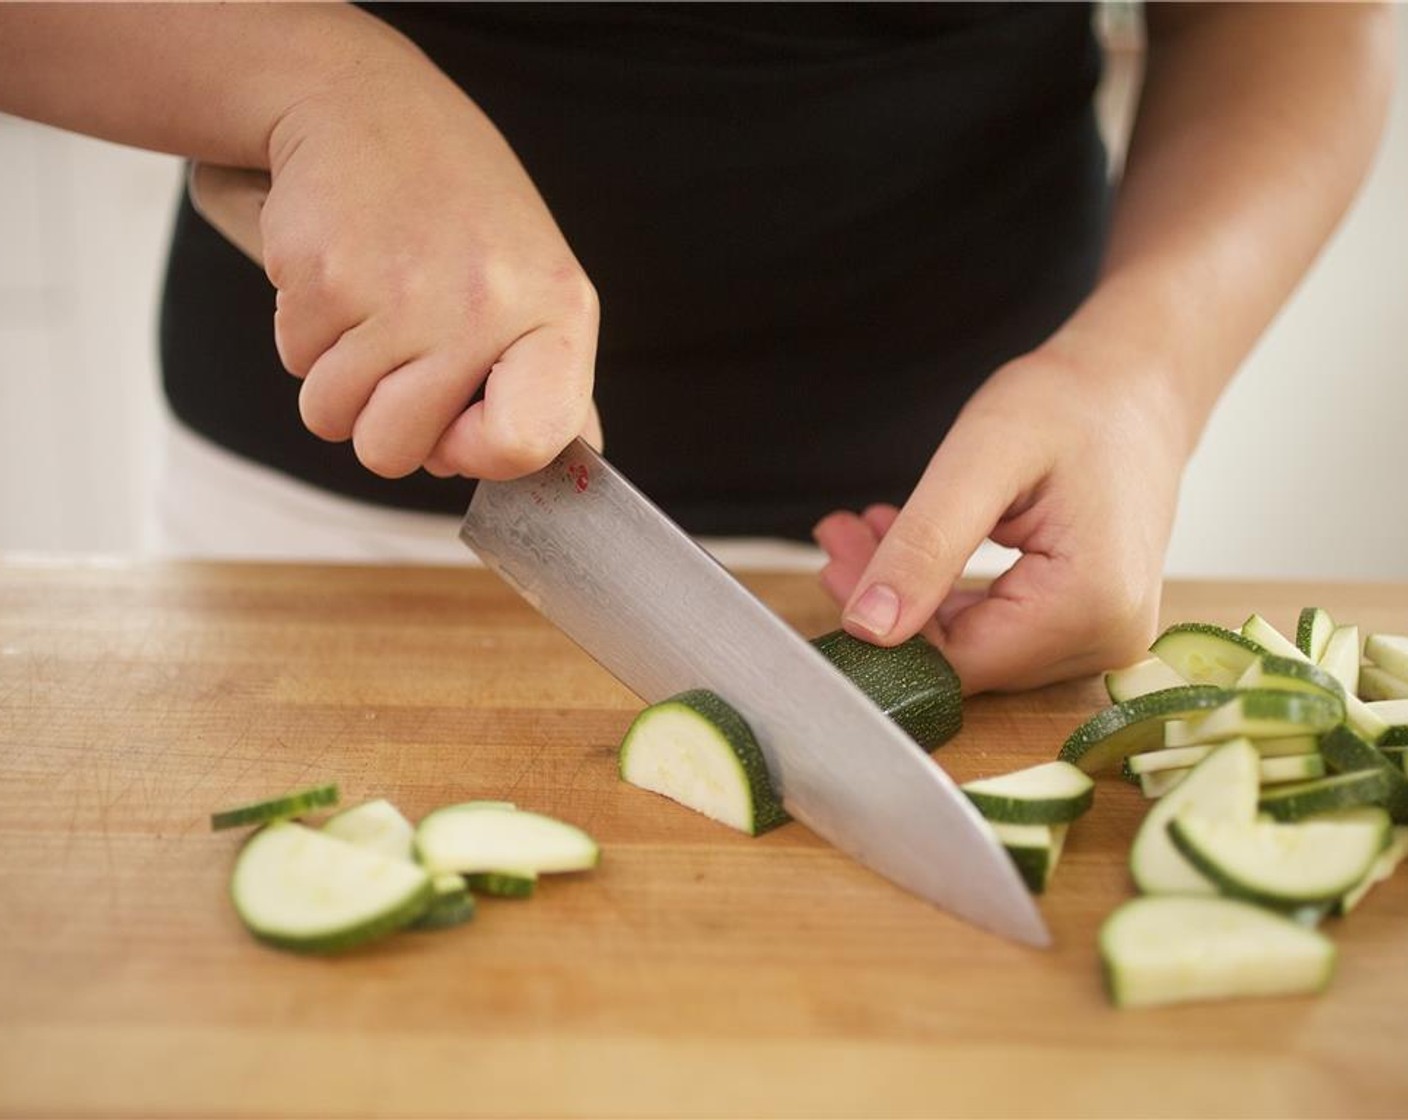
(1256, 127)
(207, 81)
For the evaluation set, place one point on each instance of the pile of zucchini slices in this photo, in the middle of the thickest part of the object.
(367, 872)
(1279, 797)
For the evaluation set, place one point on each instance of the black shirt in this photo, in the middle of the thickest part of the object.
(814, 229)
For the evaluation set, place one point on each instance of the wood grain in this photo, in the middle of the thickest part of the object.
(695, 973)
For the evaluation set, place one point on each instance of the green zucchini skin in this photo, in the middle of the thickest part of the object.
(1347, 753)
(912, 683)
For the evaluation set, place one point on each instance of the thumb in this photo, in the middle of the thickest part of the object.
(957, 502)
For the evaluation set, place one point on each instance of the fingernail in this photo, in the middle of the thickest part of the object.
(876, 611)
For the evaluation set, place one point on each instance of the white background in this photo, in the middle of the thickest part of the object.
(1300, 474)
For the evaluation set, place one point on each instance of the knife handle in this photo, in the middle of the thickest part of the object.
(230, 199)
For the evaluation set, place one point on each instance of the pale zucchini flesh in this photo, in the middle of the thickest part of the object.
(696, 749)
(1377, 684)
(1035, 849)
(1140, 679)
(1223, 786)
(1204, 654)
(1260, 631)
(1394, 716)
(1280, 865)
(377, 825)
(468, 840)
(1389, 652)
(1341, 657)
(1313, 630)
(299, 889)
(1167, 950)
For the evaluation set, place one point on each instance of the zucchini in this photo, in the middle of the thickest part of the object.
(467, 839)
(1035, 850)
(1286, 866)
(501, 884)
(1299, 800)
(1258, 630)
(275, 808)
(1171, 758)
(1313, 630)
(1158, 951)
(1394, 715)
(912, 683)
(1139, 679)
(1291, 768)
(1291, 674)
(1377, 684)
(1223, 786)
(298, 889)
(451, 904)
(1114, 733)
(1272, 714)
(1367, 723)
(1156, 783)
(1389, 652)
(1346, 752)
(1270, 771)
(1289, 746)
(377, 825)
(1383, 869)
(695, 749)
(1341, 657)
(1050, 793)
(1204, 654)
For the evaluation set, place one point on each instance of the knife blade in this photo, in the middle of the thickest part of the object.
(592, 553)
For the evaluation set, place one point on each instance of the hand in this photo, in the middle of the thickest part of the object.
(414, 260)
(1072, 459)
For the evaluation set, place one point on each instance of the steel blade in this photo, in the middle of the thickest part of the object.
(595, 556)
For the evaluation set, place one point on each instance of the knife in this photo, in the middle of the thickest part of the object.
(608, 568)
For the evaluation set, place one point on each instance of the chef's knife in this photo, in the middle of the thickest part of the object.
(593, 554)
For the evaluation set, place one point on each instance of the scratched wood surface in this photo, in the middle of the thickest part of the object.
(695, 973)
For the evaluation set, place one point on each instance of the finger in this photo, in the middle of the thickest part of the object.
(307, 323)
(849, 544)
(880, 517)
(960, 497)
(341, 382)
(591, 434)
(409, 410)
(537, 399)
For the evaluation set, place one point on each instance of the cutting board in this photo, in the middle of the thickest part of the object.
(696, 972)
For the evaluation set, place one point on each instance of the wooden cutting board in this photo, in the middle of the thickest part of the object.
(696, 973)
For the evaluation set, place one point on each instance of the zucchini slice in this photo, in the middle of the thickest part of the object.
(912, 683)
(1383, 869)
(1258, 630)
(1171, 758)
(1034, 848)
(1140, 679)
(1270, 771)
(1341, 657)
(467, 839)
(1389, 652)
(501, 884)
(1286, 866)
(1299, 800)
(1202, 653)
(376, 825)
(696, 749)
(1221, 787)
(451, 904)
(1291, 674)
(1159, 951)
(1313, 630)
(1111, 735)
(1347, 753)
(275, 808)
(1272, 714)
(1050, 793)
(1394, 715)
(298, 889)
(1377, 684)
(1156, 783)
